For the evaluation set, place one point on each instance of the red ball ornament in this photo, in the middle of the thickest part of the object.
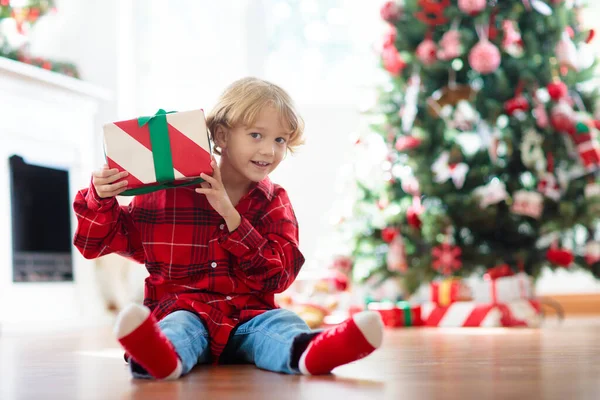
(560, 257)
(472, 7)
(484, 57)
(388, 234)
(518, 103)
(557, 90)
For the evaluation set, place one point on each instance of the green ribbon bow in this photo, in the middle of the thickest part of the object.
(405, 307)
(161, 153)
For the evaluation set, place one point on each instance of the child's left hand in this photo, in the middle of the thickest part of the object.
(215, 191)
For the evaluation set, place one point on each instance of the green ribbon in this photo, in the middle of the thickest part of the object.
(161, 146)
(161, 153)
(405, 306)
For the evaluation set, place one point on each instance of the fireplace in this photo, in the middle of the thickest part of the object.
(41, 223)
(50, 142)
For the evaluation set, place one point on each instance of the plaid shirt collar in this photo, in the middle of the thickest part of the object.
(265, 187)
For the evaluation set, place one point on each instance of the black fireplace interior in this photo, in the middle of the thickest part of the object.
(41, 223)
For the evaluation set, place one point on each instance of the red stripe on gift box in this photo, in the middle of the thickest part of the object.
(132, 181)
(188, 158)
(477, 316)
(436, 316)
(139, 133)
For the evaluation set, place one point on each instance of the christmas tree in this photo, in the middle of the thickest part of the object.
(487, 117)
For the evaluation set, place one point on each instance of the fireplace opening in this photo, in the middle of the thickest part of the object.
(41, 223)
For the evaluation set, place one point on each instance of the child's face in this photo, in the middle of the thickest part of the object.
(255, 151)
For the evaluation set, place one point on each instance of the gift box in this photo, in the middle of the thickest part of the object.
(502, 285)
(518, 313)
(161, 151)
(397, 314)
(449, 290)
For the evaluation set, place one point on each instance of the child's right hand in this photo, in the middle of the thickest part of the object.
(103, 182)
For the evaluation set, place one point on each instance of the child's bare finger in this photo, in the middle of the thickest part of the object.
(116, 177)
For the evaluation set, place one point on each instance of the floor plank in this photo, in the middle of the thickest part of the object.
(559, 361)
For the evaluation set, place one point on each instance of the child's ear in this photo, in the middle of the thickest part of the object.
(221, 135)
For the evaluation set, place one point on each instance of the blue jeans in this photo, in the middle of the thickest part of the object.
(272, 341)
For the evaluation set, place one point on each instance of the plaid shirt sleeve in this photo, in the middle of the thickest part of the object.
(104, 227)
(268, 255)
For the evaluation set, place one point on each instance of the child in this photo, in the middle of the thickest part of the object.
(218, 253)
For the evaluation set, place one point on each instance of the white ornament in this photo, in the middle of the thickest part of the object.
(549, 186)
(592, 190)
(492, 193)
(527, 203)
(443, 171)
(532, 154)
(566, 51)
(410, 102)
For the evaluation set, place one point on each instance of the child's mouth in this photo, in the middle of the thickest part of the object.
(261, 164)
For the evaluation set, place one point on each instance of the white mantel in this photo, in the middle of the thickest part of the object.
(50, 120)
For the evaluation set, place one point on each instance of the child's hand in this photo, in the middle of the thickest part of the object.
(103, 182)
(215, 191)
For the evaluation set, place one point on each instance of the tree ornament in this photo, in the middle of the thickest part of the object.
(560, 257)
(585, 138)
(450, 46)
(562, 117)
(517, 103)
(426, 51)
(407, 143)
(446, 258)
(392, 60)
(592, 252)
(530, 204)
(532, 154)
(396, 256)
(443, 170)
(566, 52)
(449, 95)
(391, 11)
(492, 193)
(413, 213)
(431, 12)
(512, 43)
(472, 7)
(388, 234)
(557, 89)
(484, 56)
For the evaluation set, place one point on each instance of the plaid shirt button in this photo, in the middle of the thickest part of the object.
(222, 226)
(213, 264)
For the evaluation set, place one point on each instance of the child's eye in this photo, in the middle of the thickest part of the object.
(280, 140)
(256, 135)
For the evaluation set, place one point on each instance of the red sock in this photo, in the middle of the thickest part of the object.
(140, 336)
(352, 340)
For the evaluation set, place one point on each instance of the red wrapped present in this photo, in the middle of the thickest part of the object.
(161, 151)
(449, 290)
(398, 314)
(518, 313)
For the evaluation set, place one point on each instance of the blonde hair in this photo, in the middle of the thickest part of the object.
(242, 102)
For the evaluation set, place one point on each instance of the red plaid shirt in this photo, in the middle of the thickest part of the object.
(195, 263)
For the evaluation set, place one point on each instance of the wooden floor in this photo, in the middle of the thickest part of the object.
(559, 361)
